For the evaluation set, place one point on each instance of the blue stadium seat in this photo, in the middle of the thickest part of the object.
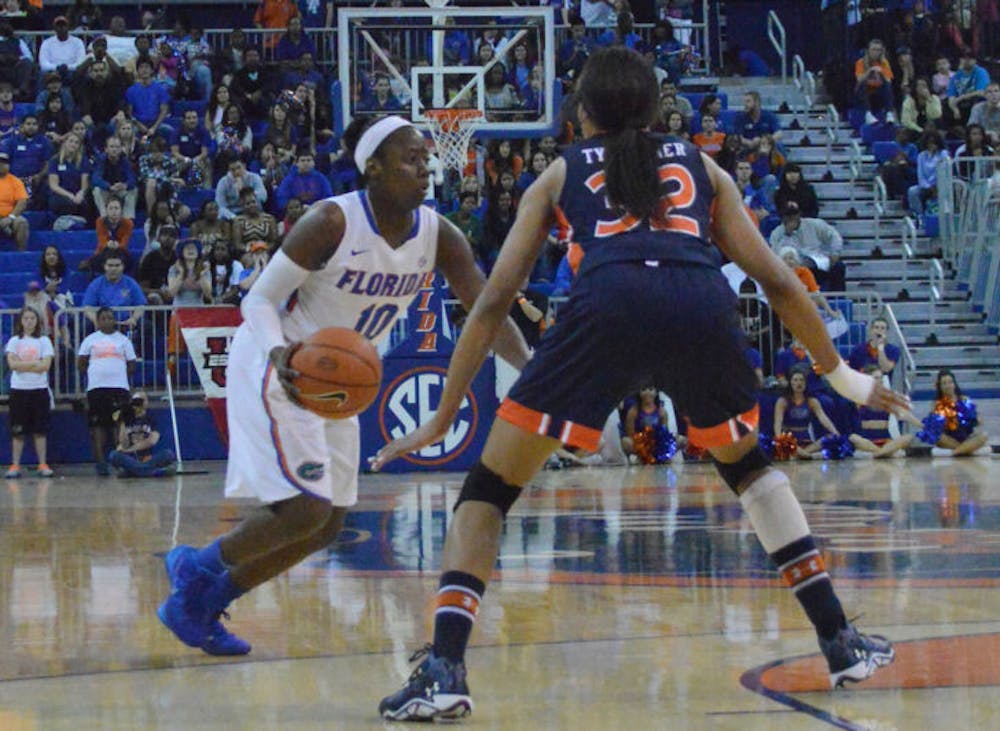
(856, 118)
(22, 108)
(878, 132)
(727, 118)
(38, 220)
(845, 306)
(180, 106)
(195, 198)
(76, 281)
(73, 257)
(15, 282)
(137, 242)
(931, 225)
(18, 261)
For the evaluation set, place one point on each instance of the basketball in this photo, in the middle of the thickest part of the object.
(340, 372)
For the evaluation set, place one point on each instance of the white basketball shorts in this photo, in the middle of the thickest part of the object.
(277, 449)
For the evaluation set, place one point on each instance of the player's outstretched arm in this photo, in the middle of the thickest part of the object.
(738, 237)
(456, 262)
(517, 257)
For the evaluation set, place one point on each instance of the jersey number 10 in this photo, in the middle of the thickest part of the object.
(681, 194)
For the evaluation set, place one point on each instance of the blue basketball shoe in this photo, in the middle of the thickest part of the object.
(853, 656)
(435, 691)
(195, 604)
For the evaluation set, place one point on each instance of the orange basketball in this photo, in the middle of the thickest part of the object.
(340, 372)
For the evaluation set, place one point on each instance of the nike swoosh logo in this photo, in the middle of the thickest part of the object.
(355, 252)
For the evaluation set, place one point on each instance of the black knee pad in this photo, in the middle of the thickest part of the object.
(735, 472)
(486, 486)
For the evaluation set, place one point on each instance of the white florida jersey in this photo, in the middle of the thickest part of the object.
(366, 284)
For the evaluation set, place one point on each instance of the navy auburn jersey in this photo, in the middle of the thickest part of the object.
(680, 233)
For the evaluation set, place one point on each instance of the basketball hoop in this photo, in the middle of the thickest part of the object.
(451, 130)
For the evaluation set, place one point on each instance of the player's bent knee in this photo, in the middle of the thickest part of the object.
(484, 485)
(736, 473)
(303, 514)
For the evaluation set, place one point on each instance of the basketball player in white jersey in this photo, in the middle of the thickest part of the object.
(354, 261)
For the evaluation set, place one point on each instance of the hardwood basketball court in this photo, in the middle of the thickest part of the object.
(625, 598)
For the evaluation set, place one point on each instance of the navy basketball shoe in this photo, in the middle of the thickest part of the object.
(195, 604)
(435, 691)
(853, 656)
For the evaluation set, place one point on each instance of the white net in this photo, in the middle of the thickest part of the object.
(452, 130)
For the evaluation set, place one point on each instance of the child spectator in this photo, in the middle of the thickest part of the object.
(271, 168)
(113, 234)
(467, 221)
(293, 212)
(791, 258)
(941, 78)
(137, 454)
(29, 357)
(710, 139)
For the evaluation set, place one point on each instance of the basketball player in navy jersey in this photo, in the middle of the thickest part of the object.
(652, 214)
(354, 261)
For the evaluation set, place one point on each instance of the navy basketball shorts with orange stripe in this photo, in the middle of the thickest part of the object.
(632, 323)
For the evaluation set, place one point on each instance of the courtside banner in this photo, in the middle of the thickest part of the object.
(208, 332)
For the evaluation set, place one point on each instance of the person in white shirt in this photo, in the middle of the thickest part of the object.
(61, 52)
(29, 357)
(108, 359)
(121, 47)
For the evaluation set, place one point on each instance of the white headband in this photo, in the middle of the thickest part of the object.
(374, 136)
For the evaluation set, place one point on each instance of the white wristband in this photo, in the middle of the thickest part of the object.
(850, 384)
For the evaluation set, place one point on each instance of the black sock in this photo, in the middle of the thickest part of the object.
(803, 569)
(458, 600)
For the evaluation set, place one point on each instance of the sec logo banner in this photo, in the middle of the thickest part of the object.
(411, 400)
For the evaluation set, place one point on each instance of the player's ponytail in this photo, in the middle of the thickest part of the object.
(618, 92)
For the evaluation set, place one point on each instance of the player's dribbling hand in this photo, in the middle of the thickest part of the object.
(280, 357)
(426, 434)
(885, 399)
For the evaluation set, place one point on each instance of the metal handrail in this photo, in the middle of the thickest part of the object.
(879, 198)
(801, 80)
(831, 121)
(936, 276)
(908, 372)
(854, 166)
(776, 34)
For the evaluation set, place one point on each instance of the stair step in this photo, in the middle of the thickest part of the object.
(840, 153)
(842, 190)
(888, 269)
(792, 139)
(834, 210)
(972, 330)
(840, 170)
(945, 313)
(944, 356)
(919, 290)
(947, 340)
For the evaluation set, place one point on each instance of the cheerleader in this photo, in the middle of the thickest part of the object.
(962, 433)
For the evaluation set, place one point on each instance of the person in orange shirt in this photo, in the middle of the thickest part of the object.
(710, 139)
(873, 75)
(791, 257)
(13, 201)
(275, 14)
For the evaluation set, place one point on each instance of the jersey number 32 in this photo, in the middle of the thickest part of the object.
(681, 194)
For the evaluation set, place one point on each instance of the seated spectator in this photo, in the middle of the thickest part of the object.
(189, 281)
(597, 13)
(13, 202)
(942, 77)
(927, 165)
(216, 109)
(876, 351)
(767, 163)
(670, 100)
(17, 66)
(163, 214)
(252, 224)
(281, 133)
(966, 88)
(233, 139)
(380, 98)
(107, 358)
(274, 15)
(189, 148)
(224, 272)
(227, 191)
(731, 154)
(114, 288)
(198, 55)
(672, 55)
(903, 72)
(817, 242)
(520, 68)
(232, 55)
(51, 265)
(61, 52)
(170, 69)
(794, 189)
(791, 258)
(69, 180)
(499, 95)
(148, 102)
(304, 71)
(539, 161)
(113, 177)
(259, 256)
(757, 195)
(711, 104)
(975, 146)
(675, 126)
(29, 357)
(987, 113)
(496, 225)
(208, 228)
(154, 268)
(100, 96)
(921, 109)
(54, 121)
(754, 122)
(293, 44)
(251, 86)
(963, 439)
(794, 412)
(132, 148)
(158, 175)
(113, 234)
(500, 157)
(899, 172)
(873, 83)
(121, 46)
(271, 168)
(467, 221)
(138, 453)
(710, 139)
(28, 153)
(871, 432)
(623, 33)
(304, 183)
(8, 113)
(575, 50)
(293, 212)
